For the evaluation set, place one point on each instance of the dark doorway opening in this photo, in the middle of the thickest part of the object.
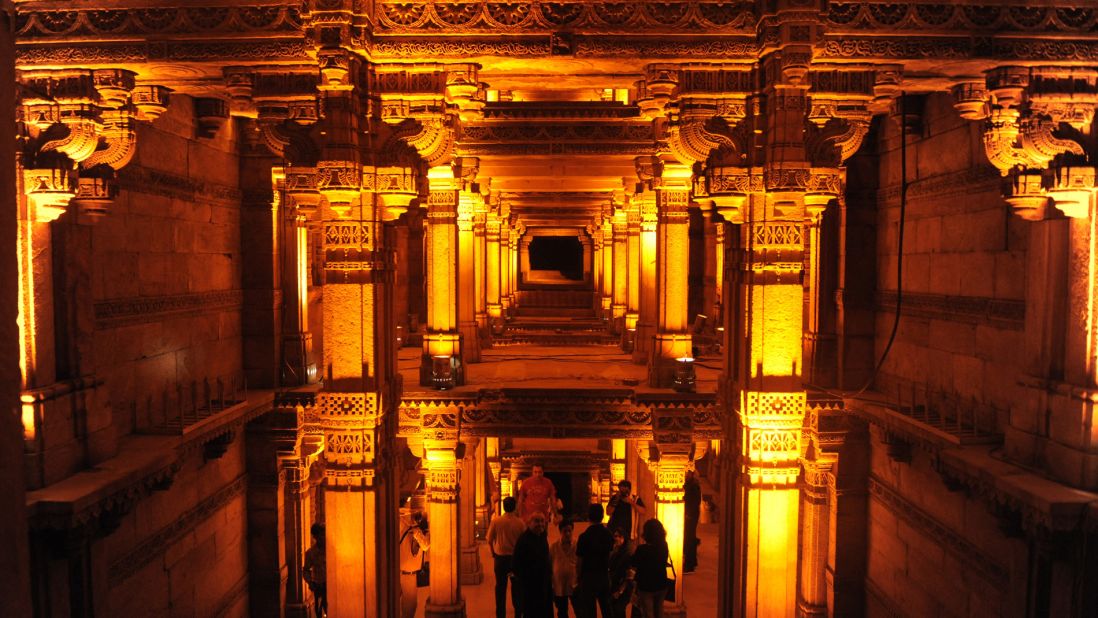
(563, 254)
(573, 491)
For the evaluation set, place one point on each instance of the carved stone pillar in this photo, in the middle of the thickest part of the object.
(673, 440)
(440, 444)
(495, 470)
(607, 289)
(513, 273)
(815, 512)
(720, 247)
(506, 262)
(442, 338)
(646, 322)
(480, 274)
(483, 492)
(471, 572)
(710, 300)
(492, 267)
(621, 270)
(298, 364)
(672, 338)
(633, 275)
(466, 279)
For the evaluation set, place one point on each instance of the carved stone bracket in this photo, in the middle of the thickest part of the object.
(1034, 119)
(79, 128)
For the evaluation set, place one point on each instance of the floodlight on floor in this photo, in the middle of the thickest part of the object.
(684, 375)
(442, 372)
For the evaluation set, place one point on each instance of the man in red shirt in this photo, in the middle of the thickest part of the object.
(537, 495)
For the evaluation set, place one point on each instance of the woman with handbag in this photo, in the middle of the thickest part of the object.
(649, 570)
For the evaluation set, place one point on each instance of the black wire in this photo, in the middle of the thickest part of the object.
(899, 261)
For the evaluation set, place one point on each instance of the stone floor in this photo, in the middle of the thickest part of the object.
(701, 586)
(533, 366)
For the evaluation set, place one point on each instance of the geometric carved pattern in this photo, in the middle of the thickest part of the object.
(774, 441)
(786, 234)
(346, 404)
(345, 234)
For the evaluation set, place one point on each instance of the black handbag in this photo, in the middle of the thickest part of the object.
(423, 575)
(669, 582)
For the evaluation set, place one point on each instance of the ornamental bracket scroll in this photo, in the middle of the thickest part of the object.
(78, 128)
(1034, 122)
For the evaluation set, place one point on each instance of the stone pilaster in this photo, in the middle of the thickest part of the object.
(298, 363)
(633, 274)
(672, 339)
(606, 301)
(492, 266)
(442, 338)
(673, 438)
(441, 448)
(471, 572)
(621, 269)
(466, 168)
(815, 514)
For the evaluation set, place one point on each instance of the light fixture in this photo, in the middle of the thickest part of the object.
(684, 375)
(629, 341)
(442, 372)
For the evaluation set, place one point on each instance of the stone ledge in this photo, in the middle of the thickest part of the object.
(95, 499)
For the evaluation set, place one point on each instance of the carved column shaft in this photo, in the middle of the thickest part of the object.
(444, 599)
(646, 320)
(492, 267)
(297, 348)
(480, 274)
(471, 572)
(607, 289)
(442, 338)
(672, 338)
(621, 269)
(815, 512)
(466, 281)
(506, 263)
(633, 275)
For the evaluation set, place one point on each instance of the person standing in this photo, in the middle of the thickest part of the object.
(503, 531)
(692, 513)
(314, 570)
(621, 587)
(533, 573)
(537, 495)
(649, 568)
(563, 556)
(622, 506)
(414, 542)
(592, 563)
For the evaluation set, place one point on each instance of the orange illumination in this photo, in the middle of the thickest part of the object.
(30, 430)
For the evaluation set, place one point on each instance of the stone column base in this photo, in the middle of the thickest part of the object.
(444, 611)
(471, 573)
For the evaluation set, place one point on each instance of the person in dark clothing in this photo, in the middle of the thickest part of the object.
(622, 506)
(649, 568)
(592, 565)
(693, 497)
(533, 571)
(621, 587)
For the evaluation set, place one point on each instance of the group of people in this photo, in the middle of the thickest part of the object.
(601, 569)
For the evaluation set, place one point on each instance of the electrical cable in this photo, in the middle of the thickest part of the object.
(899, 263)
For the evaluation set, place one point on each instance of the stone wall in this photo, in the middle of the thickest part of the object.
(14, 576)
(933, 552)
(184, 551)
(964, 265)
(167, 271)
